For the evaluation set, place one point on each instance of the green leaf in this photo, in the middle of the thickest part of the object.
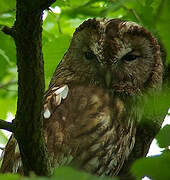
(53, 53)
(156, 168)
(163, 137)
(63, 173)
(7, 104)
(7, 5)
(34, 178)
(2, 53)
(67, 173)
(163, 25)
(7, 54)
(61, 3)
(74, 3)
(7, 45)
(9, 177)
(157, 103)
(3, 138)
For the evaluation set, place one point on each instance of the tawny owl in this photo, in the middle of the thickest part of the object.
(92, 105)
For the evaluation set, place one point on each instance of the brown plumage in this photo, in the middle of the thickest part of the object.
(94, 99)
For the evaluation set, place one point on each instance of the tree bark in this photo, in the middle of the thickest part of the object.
(28, 124)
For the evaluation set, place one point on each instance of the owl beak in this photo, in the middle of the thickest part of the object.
(108, 78)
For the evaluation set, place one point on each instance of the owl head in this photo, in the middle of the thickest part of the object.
(110, 53)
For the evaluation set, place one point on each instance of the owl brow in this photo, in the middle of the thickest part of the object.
(118, 57)
(132, 52)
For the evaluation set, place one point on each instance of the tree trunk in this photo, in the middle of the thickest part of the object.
(28, 124)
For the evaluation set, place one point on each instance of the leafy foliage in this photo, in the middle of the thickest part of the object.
(162, 137)
(63, 173)
(154, 167)
(58, 29)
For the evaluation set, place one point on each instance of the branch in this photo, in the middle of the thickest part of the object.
(6, 125)
(7, 84)
(9, 31)
(134, 13)
(2, 148)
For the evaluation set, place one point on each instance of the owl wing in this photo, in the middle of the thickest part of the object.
(11, 158)
(53, 98)
(84, 127)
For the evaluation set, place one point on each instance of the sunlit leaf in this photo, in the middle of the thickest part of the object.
(67, 173)
(9, 177)
(163, 26)
(7, 5)
(3, 138)
(157, 103)
(154, 167)
(7, 105)
(163, 137)
(53, 53)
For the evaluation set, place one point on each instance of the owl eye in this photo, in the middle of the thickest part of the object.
(89, 55)
(130, 57)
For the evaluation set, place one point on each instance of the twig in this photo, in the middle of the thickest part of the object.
(134, 13)
(7, 84)
(158, 14)
(2, 148)
(57, 19)
(136, 16)
(6, 125)
(8, 11)
(9, 31)
(59, 27)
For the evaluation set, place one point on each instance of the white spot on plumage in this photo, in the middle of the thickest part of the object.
(58, 99)
(2, 155)
(129, 24)
(63, 89)
(54, 88)
(64, 93)
(54, 99)
(17, 149)
(47, 113)
(112, 163)
(95, 147)
(126, 26)
(64, 161)
(17, 164)
(70, 158)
